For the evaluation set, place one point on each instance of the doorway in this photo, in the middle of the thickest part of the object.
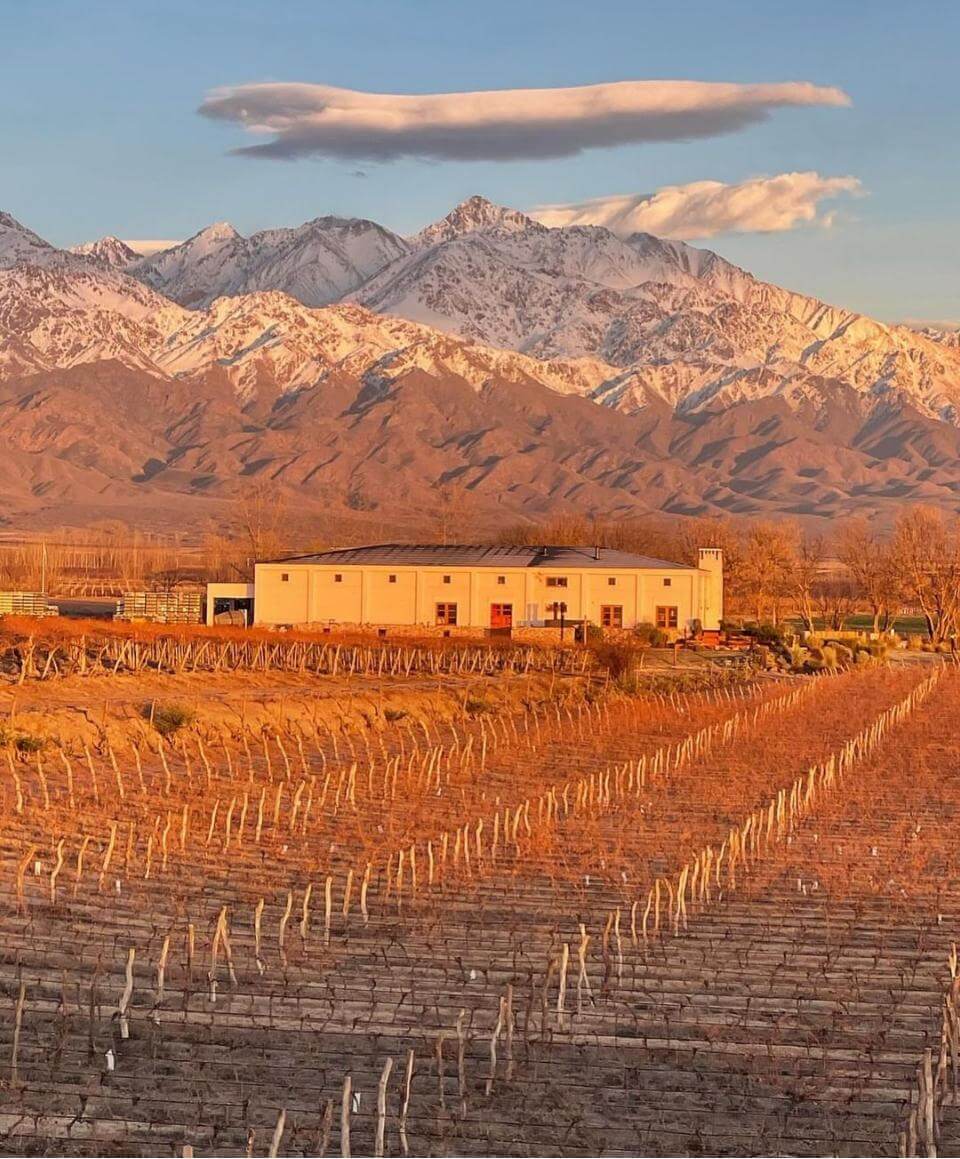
(501, 615)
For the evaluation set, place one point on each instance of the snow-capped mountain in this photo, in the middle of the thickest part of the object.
(19, 244)
(109, 251)
(643, 303)
(318, 262)
(538, 368)
(59, 309)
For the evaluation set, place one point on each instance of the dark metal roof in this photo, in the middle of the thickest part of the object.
(483, 555)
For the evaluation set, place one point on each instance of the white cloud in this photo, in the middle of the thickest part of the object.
(509, 124)
(706, 208)
(149, 247)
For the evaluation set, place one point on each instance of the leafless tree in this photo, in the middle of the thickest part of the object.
(769, 552)
(926, 547)
(260, 519)
(804, 575)
(875, 569)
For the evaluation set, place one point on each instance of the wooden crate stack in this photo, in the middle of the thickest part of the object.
(26, 604)
(163, 607)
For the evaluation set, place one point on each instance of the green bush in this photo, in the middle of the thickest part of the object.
(766, 633)
(23, 742)
(651, 636)
(394, 714)
(168, 718)
(475, 706)
(28, 744)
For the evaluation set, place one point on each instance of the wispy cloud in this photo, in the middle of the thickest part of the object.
(705, 208)
(501, 125)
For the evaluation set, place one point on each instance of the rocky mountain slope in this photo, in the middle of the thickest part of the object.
(109, 251)
(528, 369)
(316, 263)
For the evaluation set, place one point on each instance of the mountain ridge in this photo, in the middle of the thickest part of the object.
(484, 353)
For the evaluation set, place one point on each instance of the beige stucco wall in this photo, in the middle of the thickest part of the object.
(366, 595)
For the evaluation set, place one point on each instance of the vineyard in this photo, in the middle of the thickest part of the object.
(718, 921)
(30, 650)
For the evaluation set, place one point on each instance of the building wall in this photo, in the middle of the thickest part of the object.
(313, 593)
(711, 607)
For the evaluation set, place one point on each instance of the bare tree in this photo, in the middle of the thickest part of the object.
(769, 553)
(834, 598)
(875, 569)
(260, 518)
(804, 575)
(926, 546)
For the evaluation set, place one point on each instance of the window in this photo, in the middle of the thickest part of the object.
(666, 617)
(501, 579)
(611, 615)
(338, 578)
(667, 581)
(391, 579)
(612, 581)
(556, 581)
(447, 614)
(284, 577)
(446, 579)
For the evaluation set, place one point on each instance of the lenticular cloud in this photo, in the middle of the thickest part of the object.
(706, 208)
(511, 124)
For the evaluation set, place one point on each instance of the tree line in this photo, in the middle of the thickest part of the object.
(779, 569)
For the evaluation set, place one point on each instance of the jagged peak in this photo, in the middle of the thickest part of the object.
(216, 232)
(473, 215)
(16, 241)
(109, 250)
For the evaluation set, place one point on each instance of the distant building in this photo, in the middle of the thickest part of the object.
(489, 587)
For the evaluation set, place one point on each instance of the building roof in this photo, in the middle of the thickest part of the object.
(484, 555)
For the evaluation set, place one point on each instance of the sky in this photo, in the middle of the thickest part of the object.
(101, 131)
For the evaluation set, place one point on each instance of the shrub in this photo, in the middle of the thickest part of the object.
(651, 636)
(615, 657)
(394, 714)
(23, 742)
(765, 633)
(475, 706)
(168, 718)
(28, 744)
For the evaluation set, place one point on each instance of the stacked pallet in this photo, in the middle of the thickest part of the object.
(26, 604)
(162, 607)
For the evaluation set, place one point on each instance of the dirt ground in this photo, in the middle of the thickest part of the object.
(417, 932)
(76, 710)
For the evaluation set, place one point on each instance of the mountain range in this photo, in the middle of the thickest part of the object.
(528, 370)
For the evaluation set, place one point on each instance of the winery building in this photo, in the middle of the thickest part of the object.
(489, 587)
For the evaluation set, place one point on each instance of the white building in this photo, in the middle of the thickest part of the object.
(488, 587)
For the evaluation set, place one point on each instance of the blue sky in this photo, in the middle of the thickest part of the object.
(101, 135)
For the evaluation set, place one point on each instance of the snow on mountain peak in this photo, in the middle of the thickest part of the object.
(109, 251)
(17, 243)
(217, 231)
(474, 215)
(317, 262)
